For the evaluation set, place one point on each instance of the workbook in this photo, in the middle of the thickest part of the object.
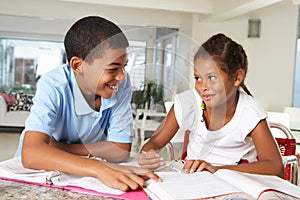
(13, 170)
(205, 185)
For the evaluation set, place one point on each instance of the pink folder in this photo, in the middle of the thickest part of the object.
(131, 195)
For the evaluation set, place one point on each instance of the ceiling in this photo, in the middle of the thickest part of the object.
(210, 10)
(51, 18)
(213, 10)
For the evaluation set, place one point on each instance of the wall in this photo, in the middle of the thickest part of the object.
(271, 57)
(54, 17)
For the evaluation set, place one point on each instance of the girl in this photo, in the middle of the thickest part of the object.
(227, 126)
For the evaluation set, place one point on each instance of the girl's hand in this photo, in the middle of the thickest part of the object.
(150, 160)
(192, 166)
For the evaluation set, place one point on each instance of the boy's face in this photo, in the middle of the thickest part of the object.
(213, 84)
(102, 76)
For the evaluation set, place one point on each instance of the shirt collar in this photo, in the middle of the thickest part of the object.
(81, 105)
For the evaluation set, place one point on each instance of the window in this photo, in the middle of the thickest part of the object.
(136, 64)
(22, 61)
(296, 96)
(165, 61)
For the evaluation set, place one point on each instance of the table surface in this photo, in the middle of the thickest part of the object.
(10, 190)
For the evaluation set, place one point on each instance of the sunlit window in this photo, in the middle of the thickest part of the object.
(296, 96)
(23, 61)
(136, 64)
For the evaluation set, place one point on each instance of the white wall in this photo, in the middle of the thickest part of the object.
(55, 17)
(271, 57)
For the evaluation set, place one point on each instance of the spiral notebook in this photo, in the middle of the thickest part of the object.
(13, 170)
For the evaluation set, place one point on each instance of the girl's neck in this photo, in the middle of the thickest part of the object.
(216, 118)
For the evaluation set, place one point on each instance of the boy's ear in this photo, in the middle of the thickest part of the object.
(239, 77)
(76, 64)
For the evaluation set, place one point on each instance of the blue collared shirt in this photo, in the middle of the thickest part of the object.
(61, 111)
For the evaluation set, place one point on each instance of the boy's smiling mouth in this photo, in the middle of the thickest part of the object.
(113, 87)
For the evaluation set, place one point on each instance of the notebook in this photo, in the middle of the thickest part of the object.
(13, 170)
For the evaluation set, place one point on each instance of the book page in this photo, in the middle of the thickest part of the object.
(89, 183)
(13, 170)
(256, 184)
(188, 186)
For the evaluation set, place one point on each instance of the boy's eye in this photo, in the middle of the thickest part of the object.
(197, 78)
(113, 69)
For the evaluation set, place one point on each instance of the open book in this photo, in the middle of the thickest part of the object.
(13, 170)
(224, 182)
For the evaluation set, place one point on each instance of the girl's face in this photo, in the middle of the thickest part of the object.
(103, 75)
(214, 86)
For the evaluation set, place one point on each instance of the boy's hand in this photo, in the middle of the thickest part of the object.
(150, 160)
(126, 178)
(192, 166)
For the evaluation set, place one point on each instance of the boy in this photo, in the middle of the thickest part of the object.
(83, 108)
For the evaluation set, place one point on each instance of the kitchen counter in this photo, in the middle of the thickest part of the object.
(10, 190)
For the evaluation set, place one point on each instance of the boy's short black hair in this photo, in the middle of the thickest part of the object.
(87, 33)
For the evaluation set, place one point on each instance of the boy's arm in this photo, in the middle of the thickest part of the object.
(38, 154)
(110, 151)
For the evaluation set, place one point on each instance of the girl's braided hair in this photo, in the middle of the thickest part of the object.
(228, 54)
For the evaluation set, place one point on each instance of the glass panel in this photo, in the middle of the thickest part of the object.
(296, 99)
(136, 64)
(24, 72)
(165, 62)
(296, 96)
(24, 60)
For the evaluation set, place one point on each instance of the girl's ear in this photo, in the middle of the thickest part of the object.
(76, 64)
(239, 77)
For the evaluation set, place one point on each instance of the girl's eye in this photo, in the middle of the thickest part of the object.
(212, 78)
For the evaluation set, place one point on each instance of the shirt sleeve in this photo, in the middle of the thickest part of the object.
(186, 110)
(45, 109)
(120, 124)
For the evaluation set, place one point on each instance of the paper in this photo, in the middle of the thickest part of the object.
(222, 183)
(188, 186)
(13, 169)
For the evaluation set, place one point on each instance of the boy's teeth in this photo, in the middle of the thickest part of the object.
(115, 88)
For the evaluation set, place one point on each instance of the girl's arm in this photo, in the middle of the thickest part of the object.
(269, 158)
(165, 132)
